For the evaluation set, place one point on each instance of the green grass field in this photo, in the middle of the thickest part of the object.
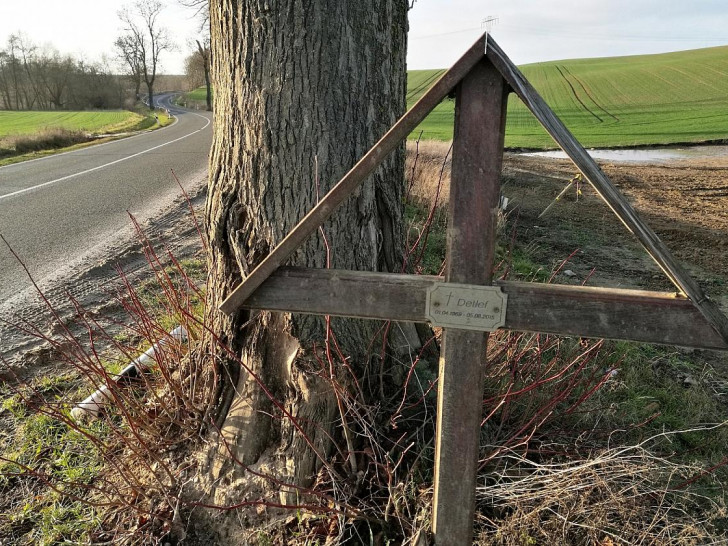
(611, 102)
(25, 123)
(197, 94)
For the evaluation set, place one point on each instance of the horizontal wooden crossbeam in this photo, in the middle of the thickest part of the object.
(653, 317)
(711, 314)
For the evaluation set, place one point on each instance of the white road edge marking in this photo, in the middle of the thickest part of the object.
(26, 190)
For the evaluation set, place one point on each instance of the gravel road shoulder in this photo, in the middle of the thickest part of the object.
(89, 279)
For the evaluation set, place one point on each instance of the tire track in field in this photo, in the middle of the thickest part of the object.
(689, 76)
(424, 85)
(708, 192)
(576, 95)
(715, 71)
(588, 94)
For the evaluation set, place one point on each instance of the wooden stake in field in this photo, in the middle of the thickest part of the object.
(465, 303)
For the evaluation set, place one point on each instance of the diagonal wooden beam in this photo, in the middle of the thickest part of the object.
(602, 184)
(636, 315)
(354, 177)
(606, 189)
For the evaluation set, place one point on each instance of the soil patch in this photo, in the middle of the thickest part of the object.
(685, 203)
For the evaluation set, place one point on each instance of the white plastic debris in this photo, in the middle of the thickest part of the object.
(93, 404)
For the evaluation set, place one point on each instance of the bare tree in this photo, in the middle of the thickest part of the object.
(202, 10)
(31, 88)
(6, 96)
(203, 53)
(33, 78)
(55, 73)
(194, 71)
(93, 85)
(302, 90)
(197, 68)
(11, 75)
(128, 54)
(202, 13)
(148, 38)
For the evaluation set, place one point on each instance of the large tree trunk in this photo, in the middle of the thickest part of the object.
(208, 86)
(302, 91)
(150, 95)
(204, 52)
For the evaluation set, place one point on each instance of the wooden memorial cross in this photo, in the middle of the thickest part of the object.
(466, 302)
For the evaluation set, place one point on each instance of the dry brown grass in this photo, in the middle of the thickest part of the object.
(624, 495)
(428, 167)
(48, 139)
(599, 495)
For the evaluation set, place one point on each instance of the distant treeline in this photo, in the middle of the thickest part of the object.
(41, 78)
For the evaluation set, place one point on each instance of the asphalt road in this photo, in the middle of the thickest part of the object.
(57, 209)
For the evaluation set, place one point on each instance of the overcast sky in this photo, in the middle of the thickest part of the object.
(440, 30)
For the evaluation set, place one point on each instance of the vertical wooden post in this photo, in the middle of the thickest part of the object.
(480, 112)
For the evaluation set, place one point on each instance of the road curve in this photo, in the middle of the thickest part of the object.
(55, 209)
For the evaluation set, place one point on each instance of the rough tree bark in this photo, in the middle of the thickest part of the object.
(302, 90)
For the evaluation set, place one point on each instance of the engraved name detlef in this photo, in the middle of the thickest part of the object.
(468, 307)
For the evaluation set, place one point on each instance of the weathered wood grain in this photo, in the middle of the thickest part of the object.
(653, 317)
(606, 189)
(482, 85)
(354, 177)
(477, 157)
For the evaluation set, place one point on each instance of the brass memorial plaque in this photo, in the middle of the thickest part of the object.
(466, 306)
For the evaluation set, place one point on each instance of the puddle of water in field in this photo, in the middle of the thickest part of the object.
(647, 155)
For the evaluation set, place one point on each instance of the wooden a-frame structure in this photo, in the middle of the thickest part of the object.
(466, 302)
